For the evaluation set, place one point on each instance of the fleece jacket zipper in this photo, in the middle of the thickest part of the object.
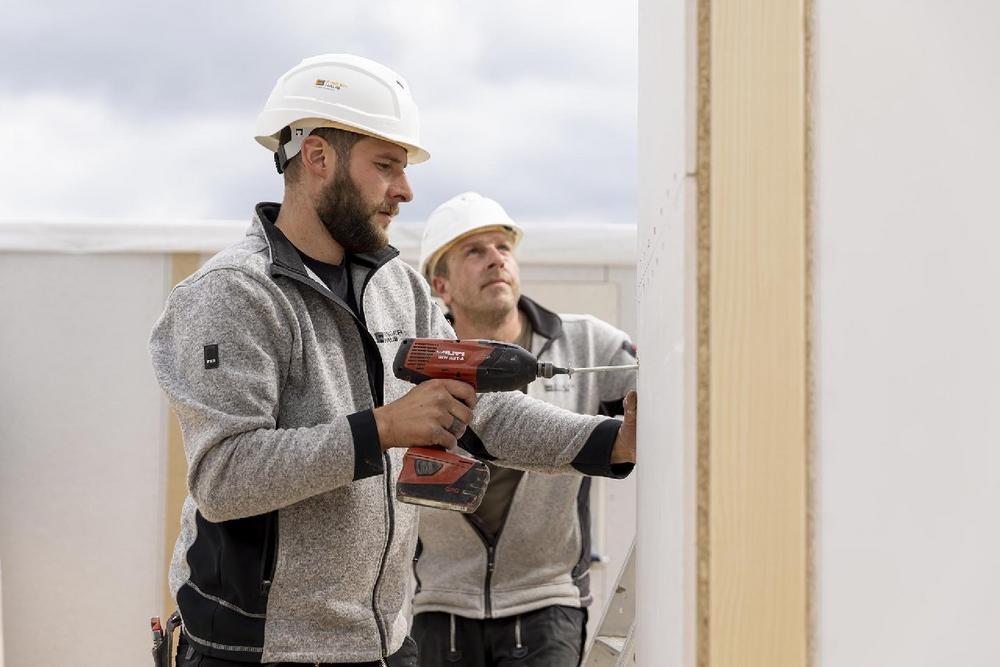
(378, 397)
(270, 560)
(373, 366)
(491, 550)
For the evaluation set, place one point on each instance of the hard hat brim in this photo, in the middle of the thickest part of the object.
(414, 154)
(512, 229)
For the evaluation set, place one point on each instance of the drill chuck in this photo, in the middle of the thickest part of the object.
(547, 369)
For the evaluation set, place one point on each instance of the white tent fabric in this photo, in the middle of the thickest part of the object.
(608, 244)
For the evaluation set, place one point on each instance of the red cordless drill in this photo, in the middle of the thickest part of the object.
(433, 476)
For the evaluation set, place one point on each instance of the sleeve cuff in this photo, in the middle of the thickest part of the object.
(612, 408)
(595, 457)
(368, 459)
(471, 443)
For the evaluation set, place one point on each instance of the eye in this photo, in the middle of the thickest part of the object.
(504, 248)
(384, 167)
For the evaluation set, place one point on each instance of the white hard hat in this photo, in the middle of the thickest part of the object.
(460, 216)
(343, 91)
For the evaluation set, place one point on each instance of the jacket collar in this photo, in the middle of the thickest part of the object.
(543, 321)
(284, 255)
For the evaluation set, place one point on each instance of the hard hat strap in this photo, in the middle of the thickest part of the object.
(290, 143)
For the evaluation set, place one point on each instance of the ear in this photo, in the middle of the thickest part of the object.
(440, 286)
(318, 158)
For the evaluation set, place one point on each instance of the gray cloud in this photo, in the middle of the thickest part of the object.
(534, 105)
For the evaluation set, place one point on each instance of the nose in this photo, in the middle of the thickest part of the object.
(400, 189)
(496, 257)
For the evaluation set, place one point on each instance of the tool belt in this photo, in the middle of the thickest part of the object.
(163, 639)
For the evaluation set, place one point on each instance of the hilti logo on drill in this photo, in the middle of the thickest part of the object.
(451, 355)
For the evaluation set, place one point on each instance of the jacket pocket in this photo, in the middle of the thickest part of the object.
(270, 560)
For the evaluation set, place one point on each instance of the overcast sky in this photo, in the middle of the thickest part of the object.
(146, 110)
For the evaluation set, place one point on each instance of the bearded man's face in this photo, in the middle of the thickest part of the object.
(350, 220)
(358, 205)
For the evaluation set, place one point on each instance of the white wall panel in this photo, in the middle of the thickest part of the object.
(667, 347)
(908, 367)
(81, 453)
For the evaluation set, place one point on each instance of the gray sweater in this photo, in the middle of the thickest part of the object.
(541, 554)
(293, 546)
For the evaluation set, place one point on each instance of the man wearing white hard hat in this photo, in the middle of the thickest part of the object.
(275, 356)
(509, 584)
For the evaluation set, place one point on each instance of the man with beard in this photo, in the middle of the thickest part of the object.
(274, 355)
(510, 583)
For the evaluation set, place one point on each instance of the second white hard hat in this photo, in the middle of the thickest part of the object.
(460, 216)
(343, 91)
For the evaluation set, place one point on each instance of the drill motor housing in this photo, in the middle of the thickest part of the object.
(486, 365)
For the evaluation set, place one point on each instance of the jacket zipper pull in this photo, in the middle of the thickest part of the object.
(519, 649)
(454, 655)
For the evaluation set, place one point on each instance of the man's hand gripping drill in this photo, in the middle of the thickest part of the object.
(448, 374)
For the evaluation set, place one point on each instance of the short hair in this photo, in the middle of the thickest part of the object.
(441, 266)
(342, 141)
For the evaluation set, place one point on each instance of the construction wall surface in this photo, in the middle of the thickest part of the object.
(665, 272)
(906, 102)
(81, 456)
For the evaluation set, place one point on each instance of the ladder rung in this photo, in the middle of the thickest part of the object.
(616, 644)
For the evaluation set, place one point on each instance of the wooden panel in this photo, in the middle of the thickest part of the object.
(181, 266)
(757, 336)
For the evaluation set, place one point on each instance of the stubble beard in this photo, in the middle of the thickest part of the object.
(350, 219)
(492, 316)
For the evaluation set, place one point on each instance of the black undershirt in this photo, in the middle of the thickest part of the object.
(503, 481)
(335, 276)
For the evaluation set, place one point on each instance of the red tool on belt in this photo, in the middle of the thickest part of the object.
(433, 476)
(163, 637)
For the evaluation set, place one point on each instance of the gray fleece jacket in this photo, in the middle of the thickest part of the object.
(541, 554)
(293, 546)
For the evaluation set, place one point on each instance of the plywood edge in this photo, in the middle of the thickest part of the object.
(703, 590)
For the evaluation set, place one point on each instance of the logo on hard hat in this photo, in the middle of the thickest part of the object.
(330, 84)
